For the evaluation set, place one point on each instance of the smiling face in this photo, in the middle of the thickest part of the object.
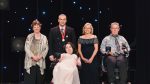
(115, 28)
(88, 29)
(36, 28)
(62, 20)
(69, 48)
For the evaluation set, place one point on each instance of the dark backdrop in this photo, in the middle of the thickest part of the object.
(15, 23)
(143, 40)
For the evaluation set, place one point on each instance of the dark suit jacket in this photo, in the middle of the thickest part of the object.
(56, 45)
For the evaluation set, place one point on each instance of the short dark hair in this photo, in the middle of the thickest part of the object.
(73, 47)
(62, 15)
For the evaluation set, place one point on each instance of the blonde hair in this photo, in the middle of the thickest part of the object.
(83, 32)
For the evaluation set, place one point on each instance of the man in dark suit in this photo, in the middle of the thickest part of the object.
(59, 36)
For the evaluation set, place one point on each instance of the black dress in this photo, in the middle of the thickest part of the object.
(89, 73)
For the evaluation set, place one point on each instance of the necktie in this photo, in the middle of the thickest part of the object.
(117, 44)
(62, 34)
(62, 31)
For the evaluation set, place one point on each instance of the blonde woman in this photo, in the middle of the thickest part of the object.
(36, 48)
(88, 48)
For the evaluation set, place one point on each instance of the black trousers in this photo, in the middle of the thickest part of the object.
(122, 66)
(34, 77)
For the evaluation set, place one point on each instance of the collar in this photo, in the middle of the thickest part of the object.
(114, 35)
(62, 27)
